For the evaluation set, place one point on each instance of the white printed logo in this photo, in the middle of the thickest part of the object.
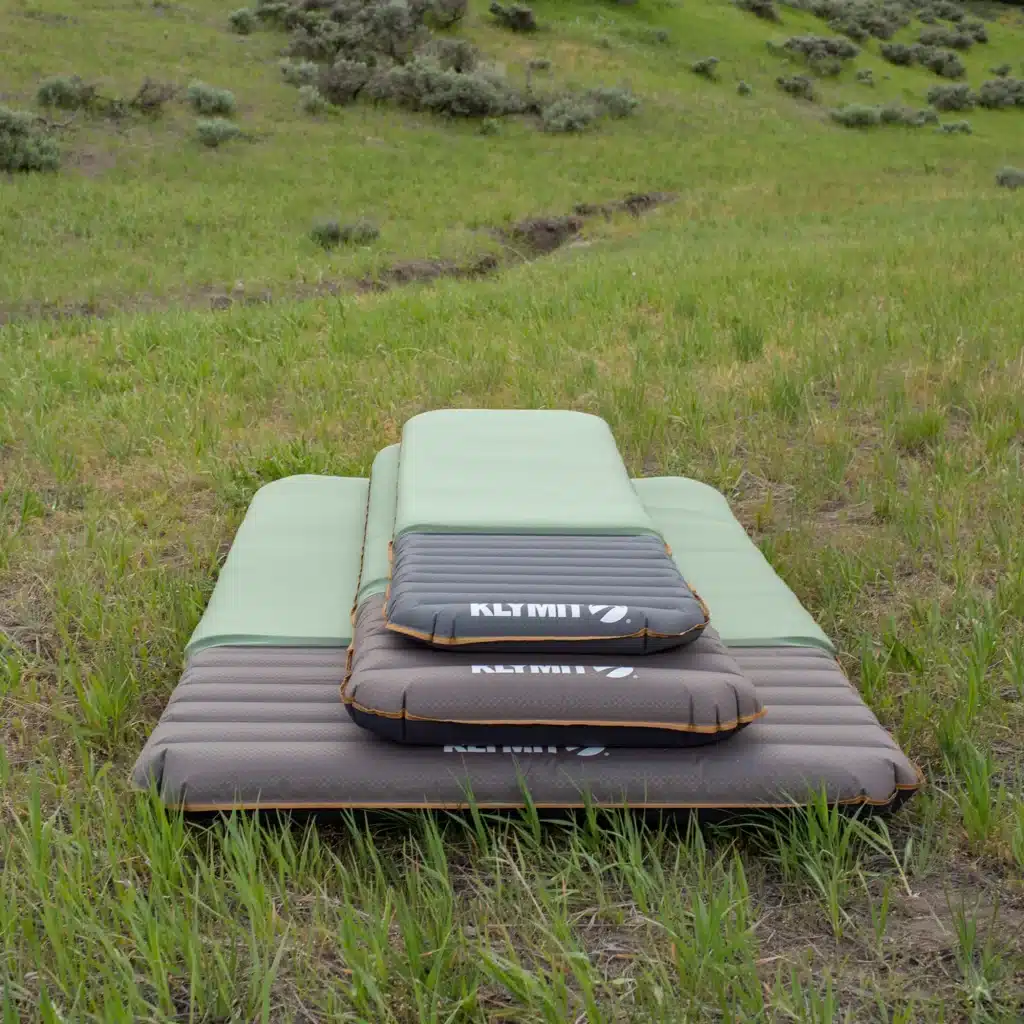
(611, 671)
(607, 613)
(578, 751)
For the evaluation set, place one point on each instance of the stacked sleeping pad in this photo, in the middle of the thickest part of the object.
(530, 545)
(505, 610)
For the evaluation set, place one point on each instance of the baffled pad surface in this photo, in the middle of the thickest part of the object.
(263, 726)
(405, 692)
(545, 593)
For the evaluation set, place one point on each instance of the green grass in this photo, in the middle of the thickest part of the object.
(825, 325)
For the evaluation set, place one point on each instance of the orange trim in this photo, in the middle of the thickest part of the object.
(495, 806)
(729, 726)
(466, 641)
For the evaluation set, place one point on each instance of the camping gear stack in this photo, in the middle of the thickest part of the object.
(504, 610)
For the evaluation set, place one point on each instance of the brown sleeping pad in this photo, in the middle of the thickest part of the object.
(408, 693)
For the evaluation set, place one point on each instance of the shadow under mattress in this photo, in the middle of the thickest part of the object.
(251, 727)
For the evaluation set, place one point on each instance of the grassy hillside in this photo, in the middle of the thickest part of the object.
(824, 323)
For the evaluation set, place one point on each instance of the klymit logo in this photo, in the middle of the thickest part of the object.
(611, 671)
(578, 751)
(607, 613)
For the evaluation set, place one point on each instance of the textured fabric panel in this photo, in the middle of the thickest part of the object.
(375, 567)
(750, 604)
(208, 752)
(408, 693)
(514, 471)
(615, 594)
(290, 575)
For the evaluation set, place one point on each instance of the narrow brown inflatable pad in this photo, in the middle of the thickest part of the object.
(683, 697)
(263, 727)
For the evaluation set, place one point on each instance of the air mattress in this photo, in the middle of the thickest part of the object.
(521, 529)
(683, 697)
(263, 727)
(256, 718)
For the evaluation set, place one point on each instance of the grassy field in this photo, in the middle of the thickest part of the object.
(825, 324)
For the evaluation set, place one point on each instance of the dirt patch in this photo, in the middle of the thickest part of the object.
(526, 240)
(92, 162)
(538, 236)
(419, 271)
(636, 203)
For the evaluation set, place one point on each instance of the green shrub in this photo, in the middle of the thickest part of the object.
(543, 64)
(744, 89)
(67, 92)
(515, 17)
(24, 146)
(214, 131)
(856, 115)
(613, 101)
(951, 97)
(705, 67)
(866, 77)
(1001, 70)
(210, 101)
(568, 114)
(311, 100)
(299, 73)
(946, 38)
(1010, 177)
(956, 128)
(490, 126)
(329, 233)
(763, 9)
(242, 21)
(343, 81)
(1000, 93)
(797, 85)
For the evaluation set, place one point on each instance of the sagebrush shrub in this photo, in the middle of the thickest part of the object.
(857, 115)
(897, 113)
(242, 21)
(515, 17)
(744, 89)
(797, 85)
(303, 72)
(898, 53)
(209, 100)
(568, 114)
(956, 128)
(215, 131)
(344, 80)
(543, 64)
(705, 67)
(951, 97)
(613, 100)
(490, 126)
(1010, 177)
(976, 29)
(945, 38)
(24, 146)
(866, 77)
(764, 9)
(423, 84)
(453, 54)
(311, 100)
(944, 63)
(1000, 93)
(819, 48)
(445, 13)
(1001, 70)
(67, 92)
